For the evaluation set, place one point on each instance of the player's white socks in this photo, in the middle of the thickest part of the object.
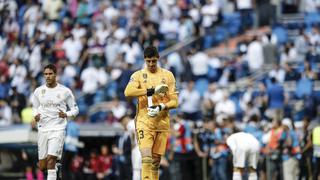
(236, 176)
(52, 174)
(253, 176)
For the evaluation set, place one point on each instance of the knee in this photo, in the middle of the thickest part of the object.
(156, 162)
(43, 165)
(51, 162)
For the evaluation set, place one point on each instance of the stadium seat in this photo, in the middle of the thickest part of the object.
(312, 18)
(201, 85)
(281, 34)
(304, 88)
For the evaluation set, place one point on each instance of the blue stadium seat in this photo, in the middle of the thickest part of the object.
(201, 85)
(304, 88)
(312, 18)
(232, 22)
(281, 34)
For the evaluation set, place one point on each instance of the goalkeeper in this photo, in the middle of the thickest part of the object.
(156, 92)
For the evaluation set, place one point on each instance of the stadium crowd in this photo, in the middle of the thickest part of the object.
(97, 45)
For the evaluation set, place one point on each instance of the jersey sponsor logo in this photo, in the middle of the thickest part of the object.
(50, 104)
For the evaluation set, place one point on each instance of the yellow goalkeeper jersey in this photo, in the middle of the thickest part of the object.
(142, 80)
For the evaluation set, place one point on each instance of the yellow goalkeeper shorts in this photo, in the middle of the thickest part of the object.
(157, 141)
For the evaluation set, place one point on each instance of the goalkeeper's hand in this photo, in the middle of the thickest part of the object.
(153, 111)
(161, 89)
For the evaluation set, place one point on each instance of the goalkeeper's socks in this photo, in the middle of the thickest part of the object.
(155, 172)
(146, 168)
(52, 174)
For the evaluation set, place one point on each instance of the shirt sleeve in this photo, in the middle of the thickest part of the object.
(173, 103)
(35, 104)
(133, 87)
(70, 100)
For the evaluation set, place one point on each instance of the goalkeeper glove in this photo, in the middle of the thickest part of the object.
(161, 89)
(153, 111)
(150, 91)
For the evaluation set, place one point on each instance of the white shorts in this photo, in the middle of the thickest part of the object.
(241, 156)
(50, 143)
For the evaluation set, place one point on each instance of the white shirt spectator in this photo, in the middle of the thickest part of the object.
(170, 28)
(214, 94)
(244, 4)
(174, 60)
(5, 113)
(189, 101)
(78, 32)
(48, 27)
(278, 73)
(3, 43)
(73, 49)
(35, 61)
(92, 78)
(186, 29)
(52, 7)
(17, 72)
(111, 51)
(131, 52)
(225, 107)
(199, 63)
(291, 56)
(110, 12)
(194, 13)
(102, 34)
(209, 14)
(310, 5)
(255, 55)
(155, 13)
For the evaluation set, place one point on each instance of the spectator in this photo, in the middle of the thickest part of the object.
(17, 102)
(276, 99)
(255, 54)
(291, 151)
(122, 150)
(105, 164)
(189, 100)
(305, 163)
(5, 113)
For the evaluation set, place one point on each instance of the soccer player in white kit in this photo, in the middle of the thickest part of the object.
(50, 102)
(244, 147)
(135, 152)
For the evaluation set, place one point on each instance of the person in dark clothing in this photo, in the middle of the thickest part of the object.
(305, 162)
(17, 102)
(122, 150)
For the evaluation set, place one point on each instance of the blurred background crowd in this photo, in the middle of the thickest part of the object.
(240, 65)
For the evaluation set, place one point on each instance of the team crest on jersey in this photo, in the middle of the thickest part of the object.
(144, 77)
(163, 81)
(58, 96)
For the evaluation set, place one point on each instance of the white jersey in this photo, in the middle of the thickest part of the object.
(48, 102)
(242, 140)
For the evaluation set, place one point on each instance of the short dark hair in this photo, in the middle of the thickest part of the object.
(151, 51)
(52, 67)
